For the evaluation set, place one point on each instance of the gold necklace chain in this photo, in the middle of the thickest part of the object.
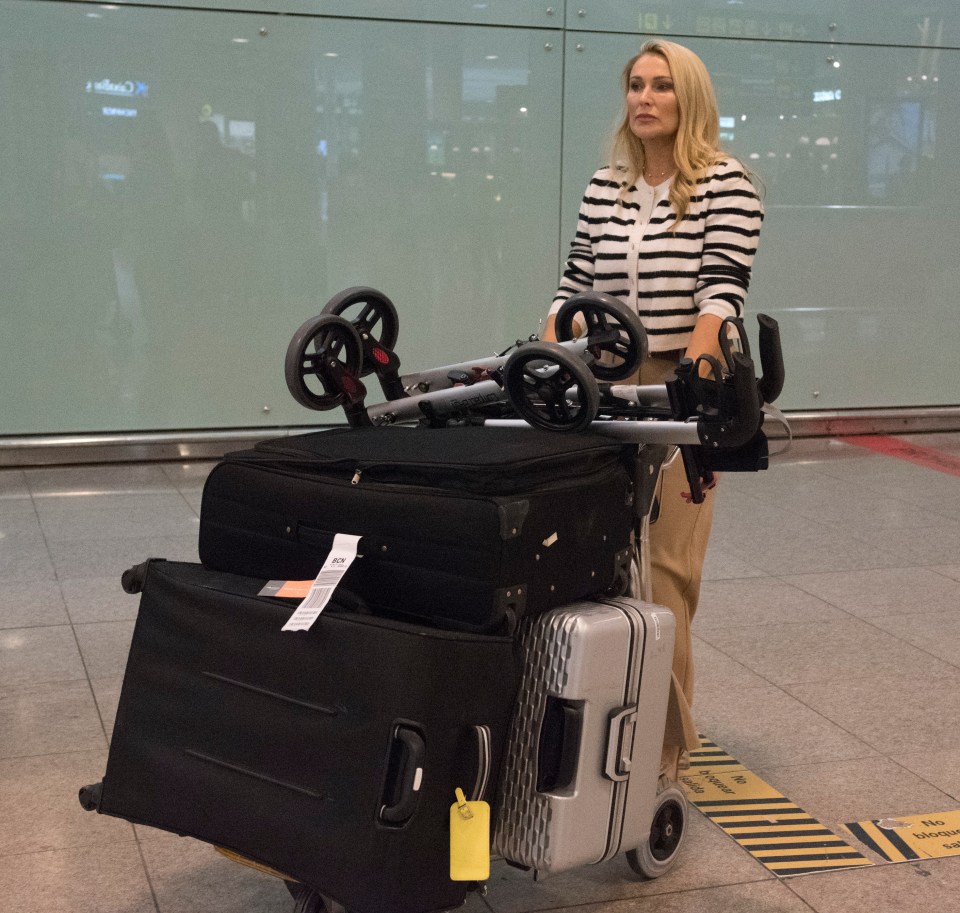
(658, 174)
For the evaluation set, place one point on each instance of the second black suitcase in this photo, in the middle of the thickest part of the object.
(468, 528)
(330, 755)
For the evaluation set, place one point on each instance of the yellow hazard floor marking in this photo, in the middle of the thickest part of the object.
(776, 832)
(914, 837)
(711, 757)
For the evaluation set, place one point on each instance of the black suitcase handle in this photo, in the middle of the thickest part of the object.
(404, 774)
(559, 746)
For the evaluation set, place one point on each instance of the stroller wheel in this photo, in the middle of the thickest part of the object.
(372, 314)
(614, 333)
(324, 353)
(667, 831)
(551, 388)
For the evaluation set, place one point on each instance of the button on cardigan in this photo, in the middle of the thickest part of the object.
(668, 277)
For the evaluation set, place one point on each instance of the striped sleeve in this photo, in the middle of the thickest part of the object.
(733, 214)
(578, 274)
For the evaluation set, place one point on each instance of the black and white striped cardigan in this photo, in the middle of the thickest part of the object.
(669, 278)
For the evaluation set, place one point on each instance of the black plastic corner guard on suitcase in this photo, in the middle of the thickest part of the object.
(467, 528)
(331, 755)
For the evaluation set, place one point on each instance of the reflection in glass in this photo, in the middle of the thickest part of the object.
(175, 200)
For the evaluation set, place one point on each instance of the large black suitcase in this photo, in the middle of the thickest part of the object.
(468, 527)
(331, 755)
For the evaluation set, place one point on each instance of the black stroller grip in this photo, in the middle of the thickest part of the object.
(770, 384)
(738, 428)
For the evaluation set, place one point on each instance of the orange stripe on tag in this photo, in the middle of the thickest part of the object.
(903, 450)
(295, 589)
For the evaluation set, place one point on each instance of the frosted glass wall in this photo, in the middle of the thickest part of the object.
(181, 188)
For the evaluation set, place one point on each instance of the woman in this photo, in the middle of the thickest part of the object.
(672, 229)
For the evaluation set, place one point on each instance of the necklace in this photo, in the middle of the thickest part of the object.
(657, 176)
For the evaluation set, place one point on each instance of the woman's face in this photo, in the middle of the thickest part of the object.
(651, 103)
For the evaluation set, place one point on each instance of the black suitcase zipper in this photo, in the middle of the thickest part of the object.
(355, 471)
(349, 616)
(356, 468)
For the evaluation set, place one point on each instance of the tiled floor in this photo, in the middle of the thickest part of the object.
(828, 651)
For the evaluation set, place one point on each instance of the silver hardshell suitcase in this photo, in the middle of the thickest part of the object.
(579, 782)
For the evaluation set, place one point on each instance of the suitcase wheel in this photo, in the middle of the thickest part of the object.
(90, 797)
(306, 900)
(667, 831)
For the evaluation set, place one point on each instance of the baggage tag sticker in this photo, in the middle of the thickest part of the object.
(338, 562)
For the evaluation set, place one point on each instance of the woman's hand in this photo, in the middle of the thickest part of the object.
(704, 486)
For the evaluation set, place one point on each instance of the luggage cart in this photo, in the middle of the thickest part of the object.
(713, 413)
(713, 417)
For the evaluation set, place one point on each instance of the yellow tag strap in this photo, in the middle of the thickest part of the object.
(463, 807)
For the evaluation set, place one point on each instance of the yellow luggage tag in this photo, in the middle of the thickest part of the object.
(469, 840)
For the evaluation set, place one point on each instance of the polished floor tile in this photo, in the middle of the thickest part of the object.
(49, 718)
(104, 646)
(903, 712)
(115, 516)
(939, 768)
(34, 656)
(728, 564)
(188, 476)
(749, 897)
(827, 650)
(192, 877)
(29, 560)
(936, 633)
(952, 570)
(98, 599)
(106, 557)
(931, 885)
(937, 543)
(821, 651)
(760, 725)
(43, 792)
(79, 481)
(106, 693)
(88, 879)
(842, 792)
(31, 603)
(882, 591)
(709, 859)
(761, 601)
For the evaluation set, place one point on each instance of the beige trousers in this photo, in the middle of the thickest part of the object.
(677, 547)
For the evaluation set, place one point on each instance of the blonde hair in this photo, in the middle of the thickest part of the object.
(696, 146)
